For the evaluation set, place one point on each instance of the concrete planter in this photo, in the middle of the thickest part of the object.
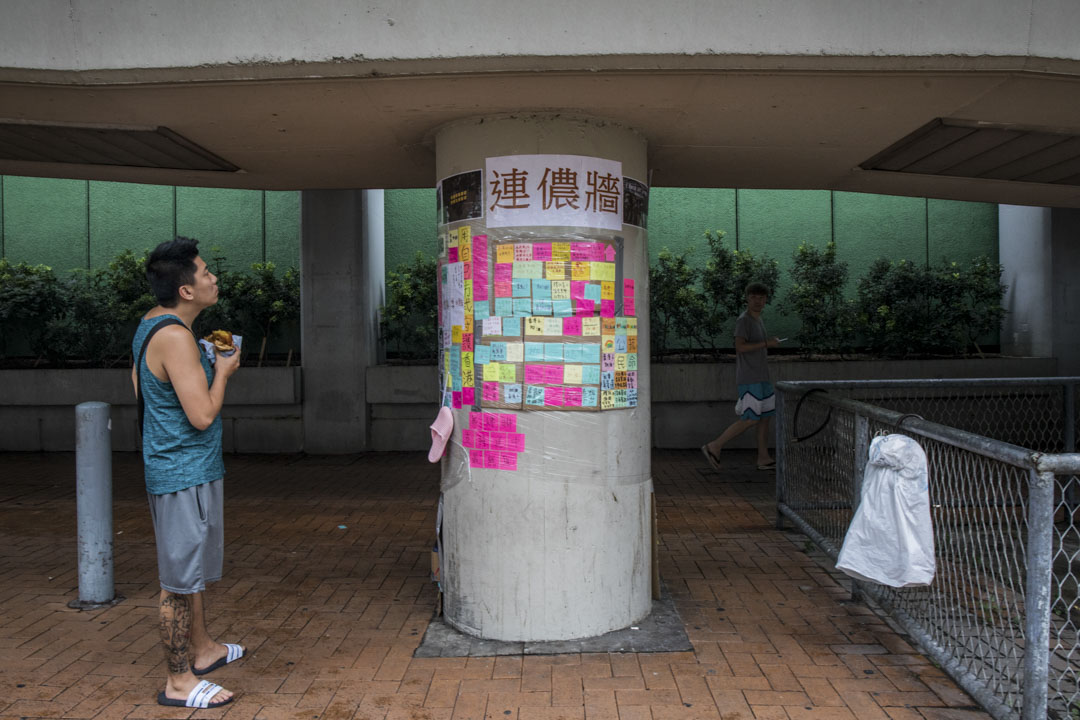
(263, 409)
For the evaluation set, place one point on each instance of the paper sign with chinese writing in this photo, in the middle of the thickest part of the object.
(545, 190)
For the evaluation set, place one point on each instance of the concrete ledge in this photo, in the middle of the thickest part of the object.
(262, 413)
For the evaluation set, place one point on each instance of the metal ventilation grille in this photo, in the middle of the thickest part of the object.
(132, 147)
(963, 148)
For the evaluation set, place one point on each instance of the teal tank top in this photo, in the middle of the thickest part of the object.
(176, 455)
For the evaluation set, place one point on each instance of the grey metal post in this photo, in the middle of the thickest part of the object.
(1071, 499)
(781, 456)
(862, 454)
(1037, 594)
(93, 478)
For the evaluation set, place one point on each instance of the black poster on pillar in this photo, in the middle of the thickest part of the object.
(460, 197)
(635, 203)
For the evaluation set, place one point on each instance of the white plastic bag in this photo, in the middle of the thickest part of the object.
(891, 537)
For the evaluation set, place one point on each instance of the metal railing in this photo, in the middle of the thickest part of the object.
(1001, 616)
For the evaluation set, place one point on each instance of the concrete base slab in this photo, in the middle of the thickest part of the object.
(661, 631)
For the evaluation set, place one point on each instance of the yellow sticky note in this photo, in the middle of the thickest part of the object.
(452, 241)
(631, 326)
(631, 343)
(607, 399)
(620, 362)
(468, 291)
(465, 253)
(464, 235)
(468, 322)
(603, 271)
(468, 307)
(572, 374)
(555, 270)
(491, 372)
(580, 271)
(504, 253)
(515, 352)
(455, 334)
(560, 289)
(507, 373)
(560, 252)
(534, 326)
(590, 326)
(552, 325)
(607, 344)
(607, 290)
(466, 360)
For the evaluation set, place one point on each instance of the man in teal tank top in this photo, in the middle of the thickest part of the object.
(183, 393)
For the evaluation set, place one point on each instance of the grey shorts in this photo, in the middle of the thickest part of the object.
(190, 533)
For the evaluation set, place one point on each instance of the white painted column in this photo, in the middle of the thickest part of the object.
(558, 548)
(1025, 250)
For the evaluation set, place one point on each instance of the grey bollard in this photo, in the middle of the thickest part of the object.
(93, 479)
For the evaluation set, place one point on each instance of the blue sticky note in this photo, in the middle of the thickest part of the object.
(631, 397)
(591, 353)
(620, 343)
(590, 374)
(592, 292)
(553, 352)
(542, 307)
(504, 307)
(481, 309)
(521, 287)
(588, 397)
(511, 327)
(541, 289)
(534, 395)
(482, 354)
(607, 380)
(498, 352)
(572, 352)
(522, 307)
(534, 352)
(562, 308)
(512, 393)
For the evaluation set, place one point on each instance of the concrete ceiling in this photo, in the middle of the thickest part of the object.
(791, 124)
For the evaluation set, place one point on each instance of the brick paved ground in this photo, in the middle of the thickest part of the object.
(331, 614)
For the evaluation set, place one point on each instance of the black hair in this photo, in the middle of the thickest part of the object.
(756, 288)
(171, 265)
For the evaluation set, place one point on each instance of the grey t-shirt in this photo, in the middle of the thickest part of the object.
(751, 367)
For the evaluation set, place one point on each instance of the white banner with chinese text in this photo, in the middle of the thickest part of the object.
(553, 190)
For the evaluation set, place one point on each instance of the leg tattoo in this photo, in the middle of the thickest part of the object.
(176, 632)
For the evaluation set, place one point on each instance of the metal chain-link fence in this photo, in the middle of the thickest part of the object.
(1002, 613)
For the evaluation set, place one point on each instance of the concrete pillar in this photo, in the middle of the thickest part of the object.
(1024, 248)
(1065, 291)
(341, 281)
(555, 543)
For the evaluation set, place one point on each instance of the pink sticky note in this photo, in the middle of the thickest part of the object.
(498, 441)
(553, 374)
(476, 458)
(598, 251)
(479, 241)
(503, 289)
(571, 326)
(609, 253)
(508, 461)
(467, 342)
(577, 289)
(453, 253)
(628, 287)
(480, 439)
(542, 251)
(585, 308)
(631, 379)
(456, 399)
(491, 460)
(607, 362)
(517, 440)
(480, 291)
(534, 374)
(468, 396)
(491, 394)
(476, 420)
(607, 308)
(507, 423)
(580, 252)
(628, 306)
(573, 397)
(504, 272)
(468, 438)
(468, 271)
(491, 422)
(553, 396)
